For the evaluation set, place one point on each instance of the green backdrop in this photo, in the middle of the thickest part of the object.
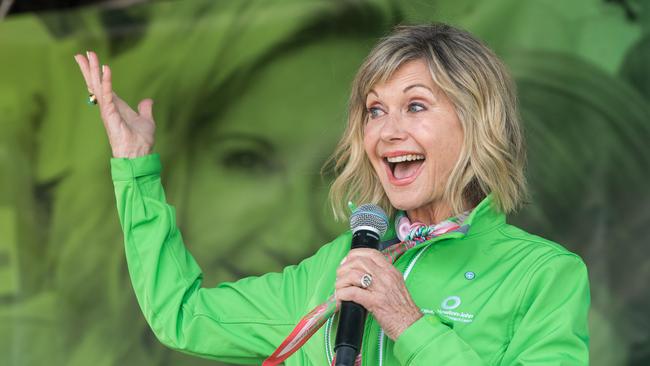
(250, 100)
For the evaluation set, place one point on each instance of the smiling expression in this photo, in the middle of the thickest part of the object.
(413, 139)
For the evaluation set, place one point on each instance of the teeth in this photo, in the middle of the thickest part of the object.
(410, 157)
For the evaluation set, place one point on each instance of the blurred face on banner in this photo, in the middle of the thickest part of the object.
(255, 196)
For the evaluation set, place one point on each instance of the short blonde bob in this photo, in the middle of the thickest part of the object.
(493, 154)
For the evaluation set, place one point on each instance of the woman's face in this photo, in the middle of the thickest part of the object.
(256, 200)
(412, 137)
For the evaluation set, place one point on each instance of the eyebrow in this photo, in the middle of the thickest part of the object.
(415, 86)
(406, 89)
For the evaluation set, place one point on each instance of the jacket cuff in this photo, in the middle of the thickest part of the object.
(417, 337)
(130, 168)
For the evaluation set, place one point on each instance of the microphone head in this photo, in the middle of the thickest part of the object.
(369, 217)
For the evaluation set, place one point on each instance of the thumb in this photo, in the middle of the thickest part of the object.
(144, 108)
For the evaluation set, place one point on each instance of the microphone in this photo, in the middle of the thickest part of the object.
(368, 223)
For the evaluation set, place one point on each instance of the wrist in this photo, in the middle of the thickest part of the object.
(408, 319)
(132, 153)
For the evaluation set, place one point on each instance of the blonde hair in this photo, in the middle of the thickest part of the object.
(493, 154)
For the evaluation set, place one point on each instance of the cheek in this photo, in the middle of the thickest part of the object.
(369, 142)
(370, 147)
(443, 146)
(449, 157)
(455, 143)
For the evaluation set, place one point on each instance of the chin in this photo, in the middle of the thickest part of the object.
(405, 201)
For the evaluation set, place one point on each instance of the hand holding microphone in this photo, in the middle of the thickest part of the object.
(367, 281)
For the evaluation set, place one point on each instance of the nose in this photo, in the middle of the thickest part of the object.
(392, 129)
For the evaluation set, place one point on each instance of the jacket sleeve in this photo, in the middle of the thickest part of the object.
(240, 322)
(550, 326)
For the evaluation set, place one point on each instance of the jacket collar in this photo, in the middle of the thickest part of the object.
(485, 217)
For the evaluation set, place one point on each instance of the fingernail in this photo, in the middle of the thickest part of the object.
(344, 259)
(87, 54)
(103, 68)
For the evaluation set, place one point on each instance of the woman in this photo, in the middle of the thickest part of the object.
(433, 137)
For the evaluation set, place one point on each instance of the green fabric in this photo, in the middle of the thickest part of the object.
(527, 303)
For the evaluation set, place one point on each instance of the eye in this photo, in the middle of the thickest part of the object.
(416, 107)
(375, 112)
(245, 154)
(247, 161)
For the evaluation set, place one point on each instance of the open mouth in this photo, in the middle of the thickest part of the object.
(404, 168)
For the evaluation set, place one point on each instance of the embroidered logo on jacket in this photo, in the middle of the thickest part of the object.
(449, 308)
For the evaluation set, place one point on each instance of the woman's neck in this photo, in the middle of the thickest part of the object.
(432, 213)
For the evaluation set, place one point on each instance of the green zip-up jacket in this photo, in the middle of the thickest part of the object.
(494, 295)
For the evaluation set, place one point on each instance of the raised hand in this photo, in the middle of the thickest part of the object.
(130, 133)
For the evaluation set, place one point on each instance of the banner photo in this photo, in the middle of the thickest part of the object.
(250, 101)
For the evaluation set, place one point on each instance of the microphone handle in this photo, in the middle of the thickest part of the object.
(348, 340)
(352, 317)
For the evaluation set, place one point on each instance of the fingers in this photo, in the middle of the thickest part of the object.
(372, 255)
(94, 78)
(355, 294)
(358, 263)
(353, 269)
(107, 86)
(95, 74)
(348, 277)
(145, 108)
(368, 260)
(85, 69)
